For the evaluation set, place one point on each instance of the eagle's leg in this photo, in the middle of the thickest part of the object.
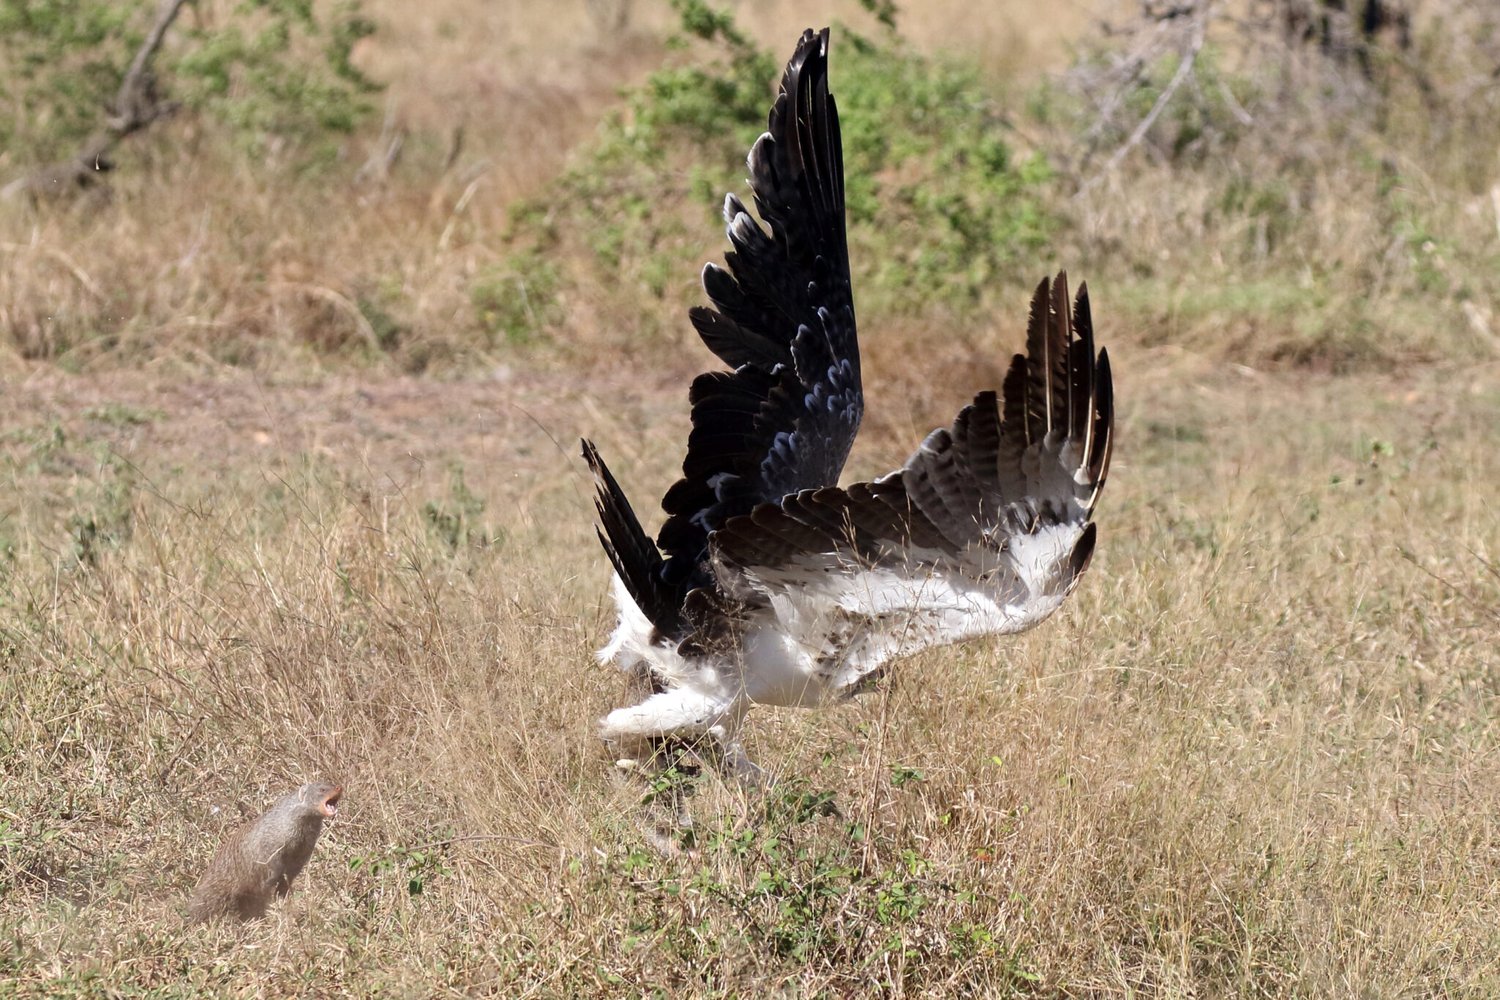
(669, 768)
(667, 774)
(660, 732)
(666, 766)
(734, 762)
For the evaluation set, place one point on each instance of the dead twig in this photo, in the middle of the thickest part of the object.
(63, 260)
(387, 151)
(339, 301)
(473, 837)
(1185, 63)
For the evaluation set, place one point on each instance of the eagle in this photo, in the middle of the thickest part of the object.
(770, 584)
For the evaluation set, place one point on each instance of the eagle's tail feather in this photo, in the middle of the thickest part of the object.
(635, 556)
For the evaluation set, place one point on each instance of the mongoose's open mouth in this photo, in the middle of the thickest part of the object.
(331, 803)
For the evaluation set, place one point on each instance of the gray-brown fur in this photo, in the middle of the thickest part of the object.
(258, 863)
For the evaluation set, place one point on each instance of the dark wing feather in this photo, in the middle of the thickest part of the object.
(631, 552)
(971, 487)
(783, 316)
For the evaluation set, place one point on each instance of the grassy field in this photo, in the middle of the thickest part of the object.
(277, 503)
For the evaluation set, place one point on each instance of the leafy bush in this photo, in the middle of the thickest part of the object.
(721, 103)
(457, 524)
(937, 200)
(1286, 195)
(517, 301)
(273, 71)
(59, 64)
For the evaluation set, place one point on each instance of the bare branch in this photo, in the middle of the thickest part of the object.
(387, 151)
(1184, 70)
(140, 65)
(136, 106)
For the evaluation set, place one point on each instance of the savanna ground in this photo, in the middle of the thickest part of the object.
(291, 490)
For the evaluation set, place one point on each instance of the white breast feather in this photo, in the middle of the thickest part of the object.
(823, 627)
(702, 696)
(829, 626)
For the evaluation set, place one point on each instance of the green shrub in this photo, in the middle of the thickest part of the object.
(271, 71)
(810, 890)
(517, 302)
(457, 523)
(939, 206)
(937, 200)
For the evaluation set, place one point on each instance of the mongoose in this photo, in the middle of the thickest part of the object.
(262, 858)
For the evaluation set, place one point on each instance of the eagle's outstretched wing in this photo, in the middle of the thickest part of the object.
(783, 317)
(986, 527)
(769, 584)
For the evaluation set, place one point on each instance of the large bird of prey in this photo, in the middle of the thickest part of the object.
(769, 583)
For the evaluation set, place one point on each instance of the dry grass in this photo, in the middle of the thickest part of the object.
(252, 543)
(1254, 756)
(1309, 244)
(197, 257)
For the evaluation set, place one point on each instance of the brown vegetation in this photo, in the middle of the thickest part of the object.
(271, 503)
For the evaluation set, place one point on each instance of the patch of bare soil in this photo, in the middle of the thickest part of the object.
(392, 426)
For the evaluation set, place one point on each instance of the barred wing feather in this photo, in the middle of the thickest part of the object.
(783, 315)
(984, 529)
(770, 584)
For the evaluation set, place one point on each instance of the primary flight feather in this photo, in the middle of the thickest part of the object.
(770, 584)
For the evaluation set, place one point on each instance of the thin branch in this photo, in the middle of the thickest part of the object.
(524, 842)
(1184, 70)
(387, 150)
(136, 80)
(135, 107)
